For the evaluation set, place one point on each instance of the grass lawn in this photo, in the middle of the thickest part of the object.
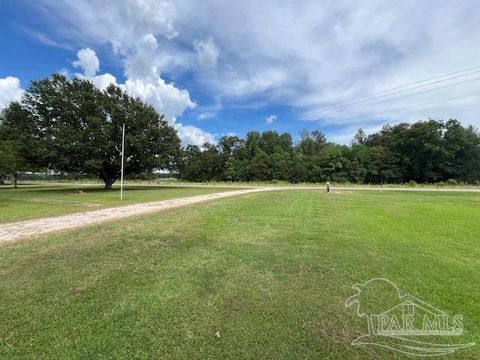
(44, 200)
(260, 276)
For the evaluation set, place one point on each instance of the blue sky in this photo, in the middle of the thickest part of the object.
(226, 67)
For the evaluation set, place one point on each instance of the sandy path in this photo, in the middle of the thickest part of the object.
(28, 228)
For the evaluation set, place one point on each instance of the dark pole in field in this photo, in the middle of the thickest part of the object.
(328, 187)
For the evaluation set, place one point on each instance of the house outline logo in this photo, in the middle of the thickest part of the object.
(396, 326)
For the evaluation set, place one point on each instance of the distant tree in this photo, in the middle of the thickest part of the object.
(9, 161)
(259, 168)
(360, 137)
(204, 164)
(426, 152)
(462, 152)
(280, 163)
(311, 143)
(360, 161)
(82, 128)
(212, 162)
(252, 145)
(334, 162)
(229, 146)
(22, 142)
(190, 167)
(236, 169)
(272, 142)
(298, 170)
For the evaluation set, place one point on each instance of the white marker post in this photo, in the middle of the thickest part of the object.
(123, 156)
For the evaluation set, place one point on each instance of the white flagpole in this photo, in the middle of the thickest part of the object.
(123, 156)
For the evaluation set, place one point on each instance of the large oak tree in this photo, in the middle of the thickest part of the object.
(82, 129)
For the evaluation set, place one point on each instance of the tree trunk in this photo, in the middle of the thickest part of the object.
(108, 183)
(15, 180)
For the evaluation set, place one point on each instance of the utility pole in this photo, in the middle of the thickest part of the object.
(123, 157)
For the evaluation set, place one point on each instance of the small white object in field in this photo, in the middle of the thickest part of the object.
(217, 334)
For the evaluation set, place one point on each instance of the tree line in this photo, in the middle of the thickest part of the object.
(425, 152)
(68, 126)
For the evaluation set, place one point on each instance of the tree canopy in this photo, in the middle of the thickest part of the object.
(79, 129)
(425, 152)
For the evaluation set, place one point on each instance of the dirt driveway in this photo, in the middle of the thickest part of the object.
(23, 229)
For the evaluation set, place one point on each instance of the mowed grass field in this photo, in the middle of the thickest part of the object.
(43, 200)
(259, 276)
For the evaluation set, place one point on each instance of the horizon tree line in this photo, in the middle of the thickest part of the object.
(425, 152)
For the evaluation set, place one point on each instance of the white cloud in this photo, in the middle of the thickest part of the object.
(120, 23)
(131, 27)
(271, 119)
(10, 90)
(205, 115)
(306, 55)
(310, 54)
(207, 52)
(139, 64)
(166, 98)
(193, 135)
(87, 61)
(103, 81)
(144, 82)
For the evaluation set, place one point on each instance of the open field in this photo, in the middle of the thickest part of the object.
(44, 199)
(261, 276)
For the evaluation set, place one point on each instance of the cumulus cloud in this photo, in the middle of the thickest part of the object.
(102, 81)
(144, 82)
(88, 61)
(120, 23)
(207, 52)
(131, 27)
(193, 135)
(311, 55)
(140, 63)
(166, 98)
(308, 55)
(271, 119)
(10, 90)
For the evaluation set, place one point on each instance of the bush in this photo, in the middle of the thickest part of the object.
(412, 183)
(452, 182)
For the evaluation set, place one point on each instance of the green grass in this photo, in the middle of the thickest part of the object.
(42, 200)
(269, 271)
